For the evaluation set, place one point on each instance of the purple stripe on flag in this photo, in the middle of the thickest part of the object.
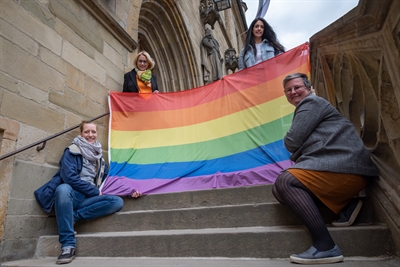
(266, 174)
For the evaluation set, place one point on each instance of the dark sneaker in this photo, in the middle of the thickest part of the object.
(67, 255)
(348, 215)
(313, 256)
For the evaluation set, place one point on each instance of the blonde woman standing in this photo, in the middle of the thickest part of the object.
(141, 79)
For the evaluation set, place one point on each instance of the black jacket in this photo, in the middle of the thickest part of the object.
(130, 83)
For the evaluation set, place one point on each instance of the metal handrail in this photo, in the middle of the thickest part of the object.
(46, 139)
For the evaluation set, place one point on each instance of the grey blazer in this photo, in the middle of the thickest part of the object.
(321, 139)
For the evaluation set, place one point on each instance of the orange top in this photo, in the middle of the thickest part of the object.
(144, 88)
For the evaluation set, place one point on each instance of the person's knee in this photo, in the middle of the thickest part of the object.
(116, 202)
(276, 194)
(284, 184)
(119, 203)
(279, 183)
(273, 190)
(63, 190)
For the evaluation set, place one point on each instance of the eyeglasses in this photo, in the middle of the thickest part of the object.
(296, 89)
(142, 61)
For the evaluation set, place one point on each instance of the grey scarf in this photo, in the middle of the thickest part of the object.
(91, 152)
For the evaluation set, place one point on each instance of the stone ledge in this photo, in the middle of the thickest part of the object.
(109, 23)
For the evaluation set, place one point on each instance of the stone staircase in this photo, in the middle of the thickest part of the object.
(238, 223)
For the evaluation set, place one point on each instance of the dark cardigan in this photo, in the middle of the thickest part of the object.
(130, 83)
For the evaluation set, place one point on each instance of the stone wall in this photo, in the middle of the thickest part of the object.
(356, 66)
(59, 61)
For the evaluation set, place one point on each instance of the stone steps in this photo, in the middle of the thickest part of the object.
(197, 262)
(223, 208)
(241, 242)
(235, 223)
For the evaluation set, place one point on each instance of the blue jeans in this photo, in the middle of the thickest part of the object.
(71, 206)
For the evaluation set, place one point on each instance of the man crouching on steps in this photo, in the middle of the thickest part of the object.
(74, 189)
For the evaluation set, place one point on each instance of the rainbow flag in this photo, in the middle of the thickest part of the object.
(225, 134)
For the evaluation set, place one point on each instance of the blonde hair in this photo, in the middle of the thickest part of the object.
(148, 57)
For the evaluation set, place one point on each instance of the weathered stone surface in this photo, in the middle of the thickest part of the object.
(112, 85)
(17, 249)
(95, 91)
(72, 134)
(8, 146)
(32, 93)
(82, 62)
(18, 206)
(25, 226)
(10, 129)
(75, 23)
(39, 11)
(27, 177)
(111, 54)
(6, 167)
(102, 136)
(12, 13)
(53, 61)
(121, 11)
(32, 71)
(8, 83)
(71, 119)
(74, 7)
(54, 151)
(68, 34)
(27, 136)
(112, 70)
(19, 38)
(108, 21)
(124, 54)
(30, 113)
(77, 103)
(75, 79)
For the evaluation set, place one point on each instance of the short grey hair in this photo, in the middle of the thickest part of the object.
(303, 76)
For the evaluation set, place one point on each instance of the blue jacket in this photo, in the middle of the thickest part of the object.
(248, 60)
(70, 168)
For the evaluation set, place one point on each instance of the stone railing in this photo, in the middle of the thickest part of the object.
(356, 66)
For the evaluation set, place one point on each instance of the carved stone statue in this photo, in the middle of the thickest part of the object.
(211, 59)
(231, 60)
(208, 14)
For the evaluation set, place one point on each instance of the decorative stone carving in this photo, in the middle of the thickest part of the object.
(355, 64)
(208, 14)
(231, 60)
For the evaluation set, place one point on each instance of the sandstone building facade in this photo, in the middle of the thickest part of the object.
(59, 61)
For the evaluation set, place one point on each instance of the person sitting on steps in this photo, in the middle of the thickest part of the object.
(74, 189)
(331, 166)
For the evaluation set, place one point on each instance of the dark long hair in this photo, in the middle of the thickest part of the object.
(268, 34)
